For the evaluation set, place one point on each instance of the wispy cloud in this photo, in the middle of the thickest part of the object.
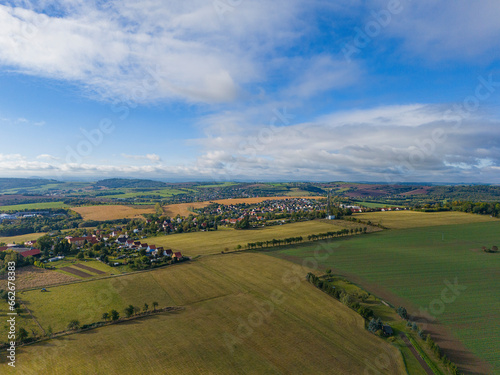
(151, 157)
(147, 51)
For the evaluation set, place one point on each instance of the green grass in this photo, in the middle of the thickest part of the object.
(33, 206)
(132, 193)
(433, 367)
(306, 332)
(22, 238)
(415, 264)
(213, 242)
(374, 205)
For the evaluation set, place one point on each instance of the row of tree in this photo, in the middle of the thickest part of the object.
(430, 343)
(340, 294)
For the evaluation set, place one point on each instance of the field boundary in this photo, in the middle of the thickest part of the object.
(169, 309)
(418, 355)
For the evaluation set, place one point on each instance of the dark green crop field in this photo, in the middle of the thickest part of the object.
(418, 265)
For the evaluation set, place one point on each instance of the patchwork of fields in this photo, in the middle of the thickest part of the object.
(414, 266)
(226, 239)
(225, 328)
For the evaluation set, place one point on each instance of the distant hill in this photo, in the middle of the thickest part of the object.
(19, 183)
(116, 183)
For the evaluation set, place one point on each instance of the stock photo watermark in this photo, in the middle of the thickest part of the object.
(291, 279)
(379, 20)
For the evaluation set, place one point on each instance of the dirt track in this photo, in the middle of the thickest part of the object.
(420, 360)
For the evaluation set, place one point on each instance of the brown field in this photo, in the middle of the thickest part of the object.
(112, 212)
(33, 277)
(90, 269)
(76, 272)
(182, 209)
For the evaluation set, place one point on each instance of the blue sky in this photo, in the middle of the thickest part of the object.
(391, 91)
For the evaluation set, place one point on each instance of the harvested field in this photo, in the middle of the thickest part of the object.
(111, 212)
(306, 332)
(75, 272)
(227, 239)
(90, 269)
(182, 209)
(415, 219)
(33, 277)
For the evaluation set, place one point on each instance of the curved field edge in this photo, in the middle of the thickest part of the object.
(244, 314)
(415, 267)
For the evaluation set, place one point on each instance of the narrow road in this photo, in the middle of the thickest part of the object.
(417, 356)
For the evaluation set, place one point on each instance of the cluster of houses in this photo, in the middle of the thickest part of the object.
(362, 209)
(124, 242)
(25, 215)
(22, 250)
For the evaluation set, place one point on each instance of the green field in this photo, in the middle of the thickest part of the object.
(132, 193)
(22, 238)
(414, 265)
(213, 242)
(221, 330)
(374, 205)
(413, 219)
(33, 206)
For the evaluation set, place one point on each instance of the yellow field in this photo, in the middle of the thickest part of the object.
(242, 315)
(183, 208)
(414, 219)
(112, 212)
(203, 243)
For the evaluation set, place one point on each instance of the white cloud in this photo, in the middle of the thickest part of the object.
(396, 143)
(151, 157)
(147, 51)
(321, 74)
(448, 30)
(47, 157)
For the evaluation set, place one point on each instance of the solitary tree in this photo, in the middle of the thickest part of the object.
(129, 311)
(146, 307)
(402, 312)
(105, 316)
(22, 335)
(115, 315)
(155, 305)
(74, 324)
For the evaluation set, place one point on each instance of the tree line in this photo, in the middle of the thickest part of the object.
(312, 237)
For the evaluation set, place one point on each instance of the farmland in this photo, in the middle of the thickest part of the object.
(33, 206)
(227, 239)
(111, 212)
(413, 266)
(22, 238)
(413, 219)
(305, 332)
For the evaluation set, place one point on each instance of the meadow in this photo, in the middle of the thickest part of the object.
(414, 266)
(22, 238)
(224, 329)
(111, 212)
(227, 239)
(33, 206)
(413, 219)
